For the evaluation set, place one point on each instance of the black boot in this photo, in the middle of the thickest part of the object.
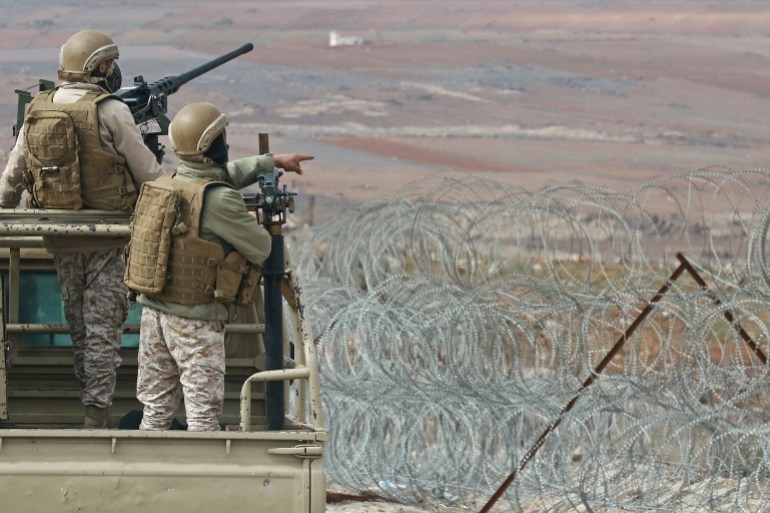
(96, 418)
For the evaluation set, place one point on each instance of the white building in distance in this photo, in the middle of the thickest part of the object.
(336, 40)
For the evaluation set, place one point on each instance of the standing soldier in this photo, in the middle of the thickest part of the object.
(195, 253)
(79, 147)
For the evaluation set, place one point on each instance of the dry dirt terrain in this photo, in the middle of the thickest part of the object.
(534, 94)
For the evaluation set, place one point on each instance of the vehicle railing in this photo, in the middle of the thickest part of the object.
(31, 222)
(262, 377)
(25, 228)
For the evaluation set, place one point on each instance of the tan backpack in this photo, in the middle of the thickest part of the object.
(53, 166)
(157, 211)
(66, 165)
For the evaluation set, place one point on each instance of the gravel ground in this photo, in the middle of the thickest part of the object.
(371, 507)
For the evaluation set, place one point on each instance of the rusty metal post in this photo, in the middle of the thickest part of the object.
(727, 314)
(598, 370)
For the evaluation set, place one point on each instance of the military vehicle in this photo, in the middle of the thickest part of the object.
(267, 457)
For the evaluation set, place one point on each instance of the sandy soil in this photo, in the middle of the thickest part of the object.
(372, 507)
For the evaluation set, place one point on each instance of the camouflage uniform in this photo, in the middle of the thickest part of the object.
(179, 354)
(181, 346)
(95, 306)
(91, 269)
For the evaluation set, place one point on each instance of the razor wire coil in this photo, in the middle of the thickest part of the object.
(454, 321)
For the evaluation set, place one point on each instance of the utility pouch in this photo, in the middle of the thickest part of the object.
(230, 273)
(249, 285)
(147, 255)
(52, 158)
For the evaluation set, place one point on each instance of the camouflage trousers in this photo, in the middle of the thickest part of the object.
(180, 356)
(96, 308)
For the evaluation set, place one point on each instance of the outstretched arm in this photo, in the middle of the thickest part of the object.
(291, 161)
(244, 172)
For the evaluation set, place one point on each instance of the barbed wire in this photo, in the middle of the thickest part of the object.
(455, 321)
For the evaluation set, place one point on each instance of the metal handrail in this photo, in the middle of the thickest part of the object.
(128, 328)
(32, 222)
(300, 372)
(44, 215)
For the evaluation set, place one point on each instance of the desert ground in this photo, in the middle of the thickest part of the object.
(533, 94)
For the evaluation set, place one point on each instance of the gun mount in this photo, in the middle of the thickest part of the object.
(273, 200)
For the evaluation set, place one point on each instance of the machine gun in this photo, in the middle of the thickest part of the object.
(148, 101)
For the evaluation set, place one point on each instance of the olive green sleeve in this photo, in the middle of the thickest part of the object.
(225, 218)
(244, 172)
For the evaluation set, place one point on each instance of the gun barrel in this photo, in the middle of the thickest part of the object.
(204, 68)
(170, 85)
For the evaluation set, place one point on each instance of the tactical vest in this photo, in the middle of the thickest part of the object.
(66, 165)
(167, 260)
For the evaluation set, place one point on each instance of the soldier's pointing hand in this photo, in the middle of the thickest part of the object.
(291, 161)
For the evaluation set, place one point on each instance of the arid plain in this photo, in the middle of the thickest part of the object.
(533, 94)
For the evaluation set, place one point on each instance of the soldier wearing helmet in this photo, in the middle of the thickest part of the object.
(89, 56)
(213, 254)
(79, 148)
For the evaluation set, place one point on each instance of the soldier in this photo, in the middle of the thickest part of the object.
(79, 147)
(208, 263)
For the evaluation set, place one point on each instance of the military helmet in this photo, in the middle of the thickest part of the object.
(194, 128)
(82, 54)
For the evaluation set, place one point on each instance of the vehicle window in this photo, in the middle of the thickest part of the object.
(40, 303)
